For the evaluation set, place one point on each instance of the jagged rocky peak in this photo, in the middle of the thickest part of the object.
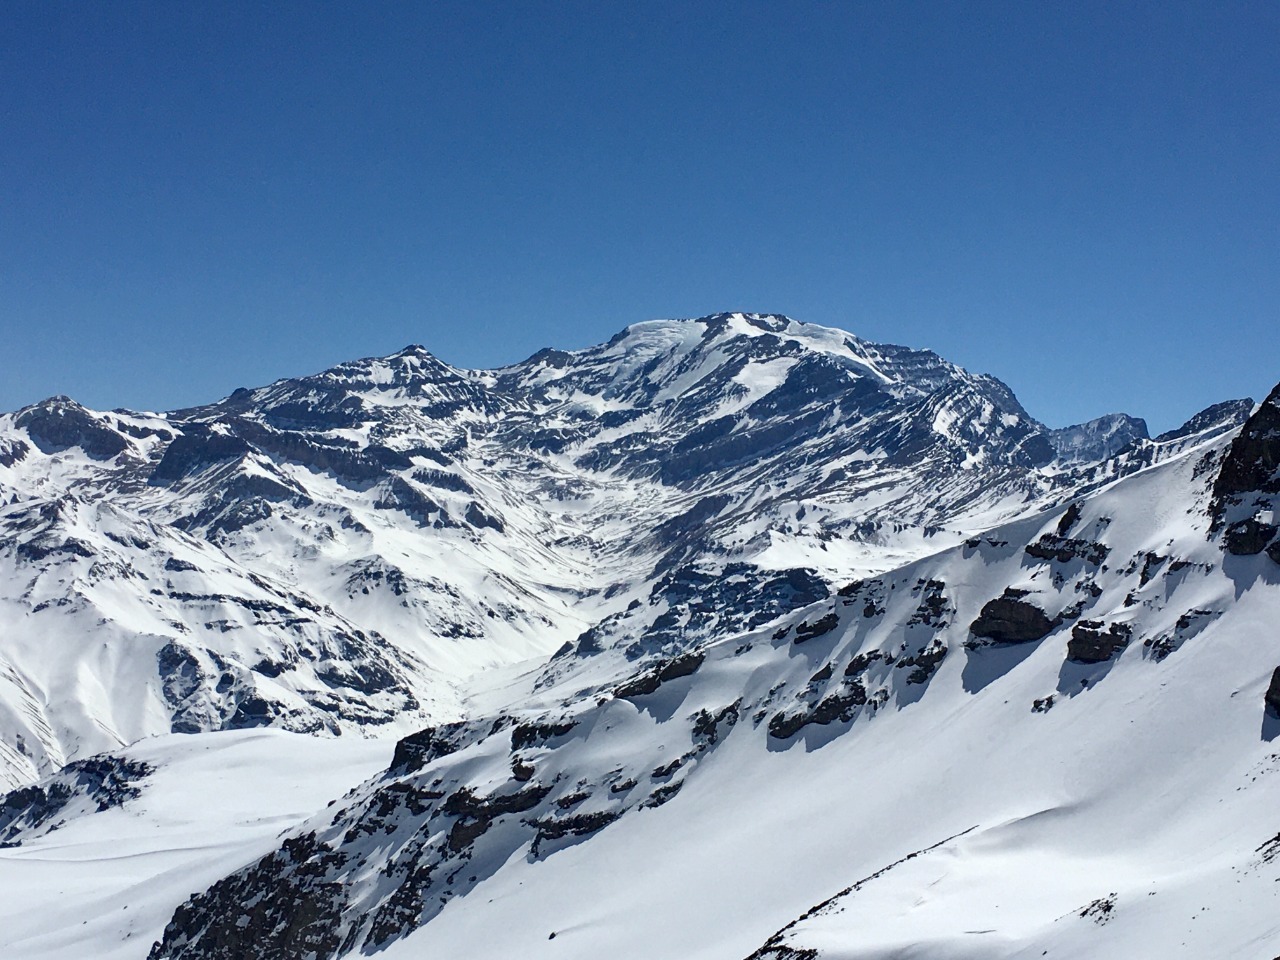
(1098, 439)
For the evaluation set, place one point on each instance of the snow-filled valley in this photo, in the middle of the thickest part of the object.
(733, 637)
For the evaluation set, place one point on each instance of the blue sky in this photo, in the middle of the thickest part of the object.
(1081, 199)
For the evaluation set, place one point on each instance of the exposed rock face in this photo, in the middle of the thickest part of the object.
(925, 663)
(649, 681)
(196, 448)
(1254, 458)
(60, 423)
(1011, 619)
(1065, 549)
(838, 705)
(98, 783)
(268, 927)
(1247, 489)
(1248, 537)
(820, 627)
(1229, 413)
(1093, 642)
(1272, 696)
(686, 603)
(418, 749)
(12, 451)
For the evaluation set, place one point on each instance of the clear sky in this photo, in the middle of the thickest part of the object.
(1080, 198)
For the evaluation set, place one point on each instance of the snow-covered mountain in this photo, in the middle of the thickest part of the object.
(343, 551)
(733, 636)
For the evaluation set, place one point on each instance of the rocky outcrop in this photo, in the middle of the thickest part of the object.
(1065, 549)
(95, 784)
(1094, 642)
(649, 681)
(1012, 619)
(820, 627)
(1248, 537)
(925, 663)
(1253, 462)
(418, 749)
(578, 825)
(1272, 696)
(12, 451)
(540, 732)
(476, 814)
(1246, 491)
(838, 705)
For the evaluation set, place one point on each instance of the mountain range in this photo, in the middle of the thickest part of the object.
(731, 637)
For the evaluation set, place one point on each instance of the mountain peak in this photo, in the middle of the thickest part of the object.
(59, 401)
(1099, 438)
(60, 423)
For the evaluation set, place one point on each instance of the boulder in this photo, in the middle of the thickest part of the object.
(1011, 619)
(1092, 643)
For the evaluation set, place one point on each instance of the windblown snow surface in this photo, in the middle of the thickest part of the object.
(855, 662)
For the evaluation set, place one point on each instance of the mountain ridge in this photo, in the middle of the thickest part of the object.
(548, 497)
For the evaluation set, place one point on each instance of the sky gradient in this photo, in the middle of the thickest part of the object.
(1081, 199)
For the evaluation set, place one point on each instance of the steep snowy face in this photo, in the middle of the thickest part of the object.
(341, 552)
(987, 745)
